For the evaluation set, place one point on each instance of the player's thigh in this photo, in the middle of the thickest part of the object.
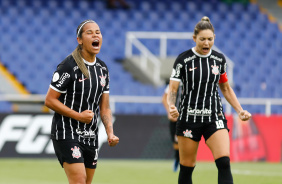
(219, 143)
(187, 151)
(89, 174)
(75, 172)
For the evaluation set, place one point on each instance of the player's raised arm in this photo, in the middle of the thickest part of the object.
(171, 98)
(106, 116)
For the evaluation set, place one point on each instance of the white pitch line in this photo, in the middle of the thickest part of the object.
(248, 172)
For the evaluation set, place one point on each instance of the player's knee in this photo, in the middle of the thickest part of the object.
(223, 162)
(188, 162)
(78, 178)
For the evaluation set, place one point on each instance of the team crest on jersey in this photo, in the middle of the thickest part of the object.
(215, 70)
(188, 133)
(103, 80)
(75, 152)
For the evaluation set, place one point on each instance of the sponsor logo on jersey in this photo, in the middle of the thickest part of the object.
(189, 58)
(215, 69)
(103, 68)
(191, 69)
(86, 134)
(188, 133)
(199, 112)
(103, 80)
(216, 58)
(63, 79)
(75, 152)
(80, 80)
(75, 68)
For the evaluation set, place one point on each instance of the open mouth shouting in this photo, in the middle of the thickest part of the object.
(96, 44)
(206, 50)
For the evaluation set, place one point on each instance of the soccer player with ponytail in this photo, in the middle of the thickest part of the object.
(78, 92)
(201, 71)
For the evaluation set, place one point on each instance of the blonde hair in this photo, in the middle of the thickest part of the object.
(79, 61)
(203, 25)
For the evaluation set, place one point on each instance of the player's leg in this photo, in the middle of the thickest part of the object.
(219, 145)
(90, 161)
(89, 175)
(75, 172)
(176, 157)
(172, 128)
(70, 156)
(188, 153)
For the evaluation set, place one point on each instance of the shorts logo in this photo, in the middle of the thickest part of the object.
(215, 69)
(188, 133)
(75, 152)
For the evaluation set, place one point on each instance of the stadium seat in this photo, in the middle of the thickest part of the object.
(49, 29)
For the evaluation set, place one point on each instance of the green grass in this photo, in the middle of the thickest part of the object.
(48, 171)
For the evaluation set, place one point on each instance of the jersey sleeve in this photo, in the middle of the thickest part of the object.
(177, 70)
(61, 78)
(223, 75)
(107, 86)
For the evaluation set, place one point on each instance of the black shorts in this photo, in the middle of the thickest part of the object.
(196, 130)
(172, 130)
(75, 152)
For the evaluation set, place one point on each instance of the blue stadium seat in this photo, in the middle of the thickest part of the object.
(49, 29)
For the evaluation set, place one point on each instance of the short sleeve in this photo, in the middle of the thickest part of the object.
(107, 86)
(177, 70)
(223, 75)
(61, 78)
(224, 65)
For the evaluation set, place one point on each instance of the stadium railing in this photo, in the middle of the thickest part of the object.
(39, 99)
(132, 39)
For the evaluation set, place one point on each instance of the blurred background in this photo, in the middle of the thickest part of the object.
(141, 40)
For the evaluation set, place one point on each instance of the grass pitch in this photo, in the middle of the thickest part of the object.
(49, 171)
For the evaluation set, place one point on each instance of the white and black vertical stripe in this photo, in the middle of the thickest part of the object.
(72, 102)
(199, 87)
(206, 87)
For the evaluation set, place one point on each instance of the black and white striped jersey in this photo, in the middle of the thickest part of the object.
(79, 93)
(200, 75)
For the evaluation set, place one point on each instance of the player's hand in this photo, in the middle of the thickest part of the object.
(170, 118)
(173, 111)
(244, 115)
(86, 116)
(113, 140)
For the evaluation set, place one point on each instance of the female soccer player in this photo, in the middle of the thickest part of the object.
(78, 91)
(201, 70)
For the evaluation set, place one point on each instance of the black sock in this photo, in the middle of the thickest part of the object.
(224, 170)
(185, 175)
(176, 156)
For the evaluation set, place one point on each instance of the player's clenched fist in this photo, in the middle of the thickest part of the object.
(173, 111)
(86, 116)
(244, 115)
(113, 140)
